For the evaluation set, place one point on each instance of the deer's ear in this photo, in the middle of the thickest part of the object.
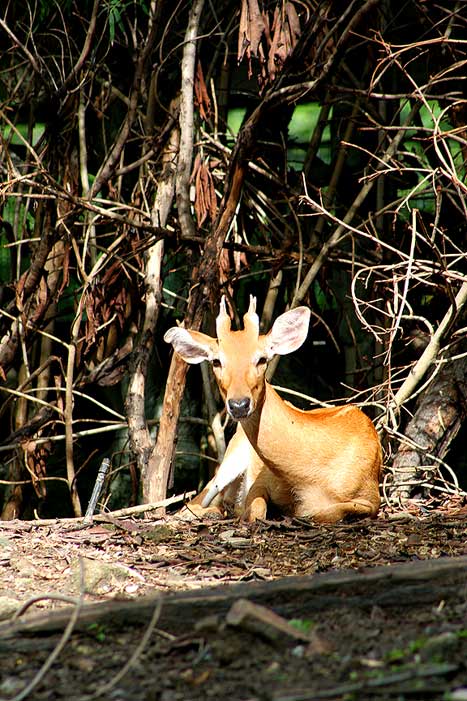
(192, 346)
(288, 333)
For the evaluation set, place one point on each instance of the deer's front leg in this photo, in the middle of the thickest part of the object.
(195, 509)
(256, 503)
(263, 488)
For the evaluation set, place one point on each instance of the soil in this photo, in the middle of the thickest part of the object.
(285, 610)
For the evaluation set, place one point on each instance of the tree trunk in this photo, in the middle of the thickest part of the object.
(438, 416)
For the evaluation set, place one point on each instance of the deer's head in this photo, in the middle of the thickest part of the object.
(239, 358)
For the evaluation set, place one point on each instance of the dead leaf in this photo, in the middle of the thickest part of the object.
(202, 99)
(205, 193)
(66, 268)
(252, 28)
(319, 645)
(224, 265)
(271, 43)
(19, 291)
(37, 455)
(256, 26)
(293, 23)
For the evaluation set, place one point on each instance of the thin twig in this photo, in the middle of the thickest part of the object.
(39, 676)
(119, 513)
(106, 688)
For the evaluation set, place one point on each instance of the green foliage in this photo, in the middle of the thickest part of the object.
(21, 129)
(5, 259)
(437, 134)
(402, 654)
(115, 16)
(235, 120)
(98, 631)
(303, 123)
(46, 9)
(304, 625)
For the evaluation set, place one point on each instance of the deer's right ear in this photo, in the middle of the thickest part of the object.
(192, 346)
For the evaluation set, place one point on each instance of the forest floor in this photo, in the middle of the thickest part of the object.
(282, 610)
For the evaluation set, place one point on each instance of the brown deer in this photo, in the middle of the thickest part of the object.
(324, 463)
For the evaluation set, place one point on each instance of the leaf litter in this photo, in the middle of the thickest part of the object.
(252, 651)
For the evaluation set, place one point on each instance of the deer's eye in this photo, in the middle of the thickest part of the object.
(261, 362)
(216, 363)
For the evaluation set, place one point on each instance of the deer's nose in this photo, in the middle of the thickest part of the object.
(239, 408)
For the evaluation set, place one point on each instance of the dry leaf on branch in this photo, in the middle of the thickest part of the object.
(257, 39)
(230, 264)
(36, 460)
(205, 194)
(106, 301)
(252, 28)
(285, 32)
(293, 23)
(201, 99)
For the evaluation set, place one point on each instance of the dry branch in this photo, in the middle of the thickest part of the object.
(59, 647)
(186, 119)
(157, 472)
(431, 352)
(343, 226)
(110, 516)
(141, 442)
(68, 416)
(259, 619)
(111, 162)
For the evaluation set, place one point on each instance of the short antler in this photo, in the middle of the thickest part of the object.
(251, 319)
(223, 322)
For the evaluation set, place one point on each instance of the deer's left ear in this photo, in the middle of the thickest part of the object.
(288, 333)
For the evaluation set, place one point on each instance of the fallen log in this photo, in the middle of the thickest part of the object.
(418, 583)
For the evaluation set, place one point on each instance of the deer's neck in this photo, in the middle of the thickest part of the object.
(268, 423)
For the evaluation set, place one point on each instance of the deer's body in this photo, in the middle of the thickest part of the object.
(323, 463)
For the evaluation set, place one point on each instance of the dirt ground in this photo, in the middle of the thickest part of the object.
(357, 618)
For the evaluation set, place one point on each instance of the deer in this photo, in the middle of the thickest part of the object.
(323, 463)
